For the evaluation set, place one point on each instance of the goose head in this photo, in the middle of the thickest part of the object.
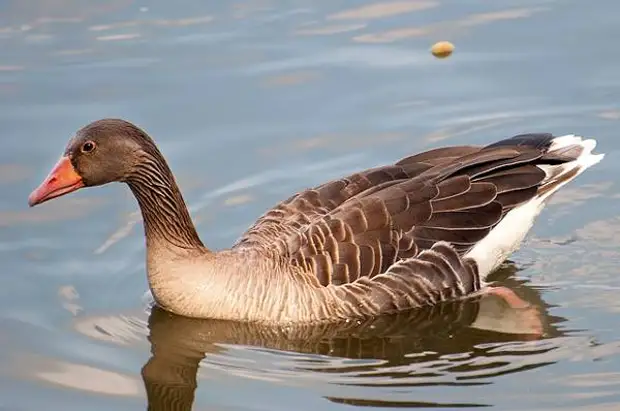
(102, 152)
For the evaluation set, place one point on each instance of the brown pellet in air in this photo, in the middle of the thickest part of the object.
(442, 49)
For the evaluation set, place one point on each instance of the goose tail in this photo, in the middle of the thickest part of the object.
(566, 158)
(563, 159)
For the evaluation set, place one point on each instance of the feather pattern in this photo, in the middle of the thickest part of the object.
(396, 236)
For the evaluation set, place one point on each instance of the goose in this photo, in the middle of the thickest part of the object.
(427, 229)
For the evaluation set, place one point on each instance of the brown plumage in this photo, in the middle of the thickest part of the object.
(381, 240)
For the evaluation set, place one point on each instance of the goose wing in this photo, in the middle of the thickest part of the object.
(382, 220)
(297, 213)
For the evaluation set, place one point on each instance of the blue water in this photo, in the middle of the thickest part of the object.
(252, 101)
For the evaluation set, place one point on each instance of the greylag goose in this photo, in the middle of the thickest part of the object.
(427, 229)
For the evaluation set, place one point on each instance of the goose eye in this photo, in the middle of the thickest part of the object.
(88, 147)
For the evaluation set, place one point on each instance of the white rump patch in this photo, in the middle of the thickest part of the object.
(508, 235)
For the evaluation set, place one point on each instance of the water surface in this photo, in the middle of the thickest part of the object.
(253, 100)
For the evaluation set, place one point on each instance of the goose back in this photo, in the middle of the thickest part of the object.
(397, 236)
(361, 225)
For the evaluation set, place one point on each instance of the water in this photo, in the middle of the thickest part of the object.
(252, 101)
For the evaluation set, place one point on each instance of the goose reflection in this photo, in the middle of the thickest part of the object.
(415, 347)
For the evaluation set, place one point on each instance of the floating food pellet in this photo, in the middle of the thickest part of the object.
(442, 49)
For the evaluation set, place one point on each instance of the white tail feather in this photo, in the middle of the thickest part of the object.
(585, 160)
(507, 236)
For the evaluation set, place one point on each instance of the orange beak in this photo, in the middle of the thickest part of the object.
(61, 180)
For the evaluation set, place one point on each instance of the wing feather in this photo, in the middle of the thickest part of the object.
(402, 229)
